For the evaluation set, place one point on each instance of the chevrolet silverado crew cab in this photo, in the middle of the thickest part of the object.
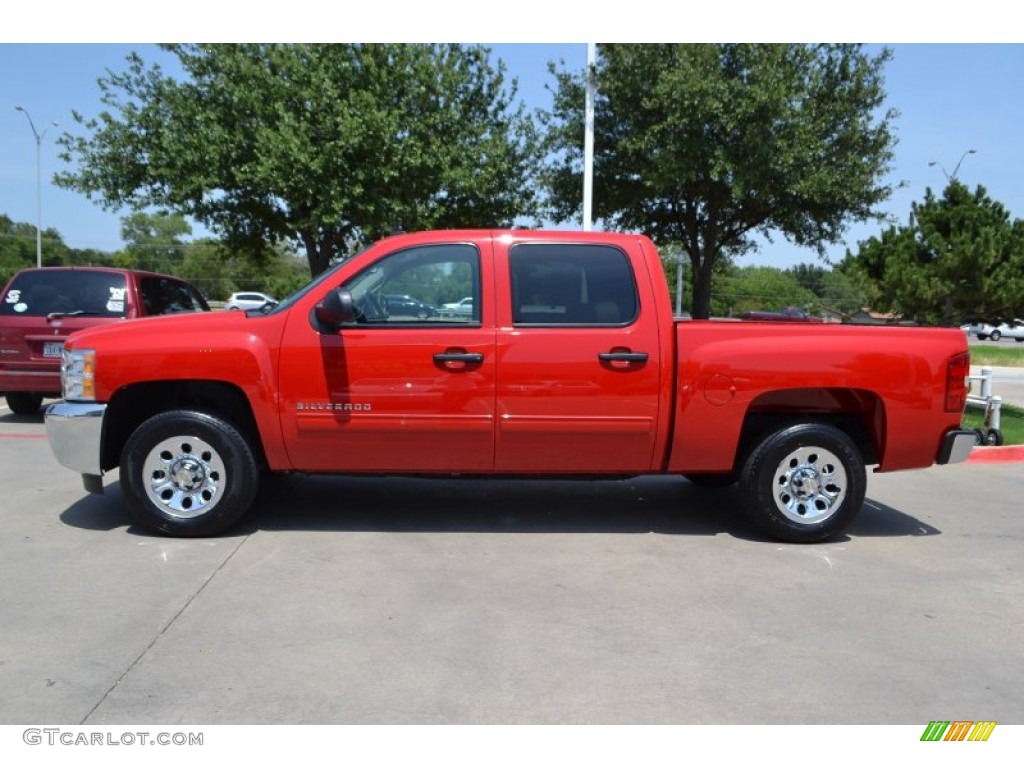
(40, 308)
(567, 362)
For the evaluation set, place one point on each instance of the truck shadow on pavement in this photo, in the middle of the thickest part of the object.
(665, 505)
(6, 417)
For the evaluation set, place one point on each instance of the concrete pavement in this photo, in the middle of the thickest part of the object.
(355, 600)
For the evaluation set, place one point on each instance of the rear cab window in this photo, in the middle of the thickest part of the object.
(47, 292)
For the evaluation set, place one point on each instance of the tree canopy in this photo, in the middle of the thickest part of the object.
(959, 257)
(330, 146)
(153, 241)
(710, 145)
(18, 247)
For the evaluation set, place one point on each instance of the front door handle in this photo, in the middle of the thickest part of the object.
(456, 360)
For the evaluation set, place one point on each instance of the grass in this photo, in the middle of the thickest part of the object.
(1011, 422)
(990, 355)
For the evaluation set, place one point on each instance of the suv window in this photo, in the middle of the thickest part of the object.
(163, 296)
(571, 284)
(64, 291)
(426, 285)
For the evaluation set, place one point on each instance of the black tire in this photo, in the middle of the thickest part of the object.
(993, 437)
(982, 337)
(1018, 338)
(188, 474)
(712, 479)
(804, 483)
(24, 403)
(979, 436)
(995, 335)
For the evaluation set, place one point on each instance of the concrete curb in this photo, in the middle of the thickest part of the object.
(996, 454)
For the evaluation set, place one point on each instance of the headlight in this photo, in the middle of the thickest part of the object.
(77, 374)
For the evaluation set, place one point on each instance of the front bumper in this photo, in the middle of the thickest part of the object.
(76, 433)
(956, 446)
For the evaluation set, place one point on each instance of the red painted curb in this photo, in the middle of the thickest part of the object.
(996, 454)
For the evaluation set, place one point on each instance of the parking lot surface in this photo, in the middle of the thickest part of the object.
(342, 600)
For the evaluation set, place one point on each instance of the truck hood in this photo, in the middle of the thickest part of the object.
(152, 330)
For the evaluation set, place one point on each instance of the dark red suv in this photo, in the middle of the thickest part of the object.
(40, 308)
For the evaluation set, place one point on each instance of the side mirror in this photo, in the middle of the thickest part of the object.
(336, 309)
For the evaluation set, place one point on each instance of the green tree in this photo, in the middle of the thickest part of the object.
(327, 146)
(758, 287)
(959, 257)
(842, 292)
(832, 288)
(153, 241)
(18, 247)
(709, 145)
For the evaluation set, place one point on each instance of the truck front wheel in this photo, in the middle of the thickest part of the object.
(187, 473)
(804, 482)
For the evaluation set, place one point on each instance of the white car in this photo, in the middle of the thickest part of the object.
(463, 307)
(250, 300)
(1013, 330)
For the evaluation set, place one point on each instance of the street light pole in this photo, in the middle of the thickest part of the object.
(951, 177)
(39, 184)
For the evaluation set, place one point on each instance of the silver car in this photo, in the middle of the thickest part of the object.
(1012, 330)
(250, 300)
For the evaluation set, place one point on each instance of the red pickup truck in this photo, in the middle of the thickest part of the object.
(567, 362)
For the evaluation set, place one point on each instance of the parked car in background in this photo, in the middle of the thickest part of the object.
(40, 308)
(399, 305)
(250, 300)
(786, 314)
(462, 307)
(1012, 330)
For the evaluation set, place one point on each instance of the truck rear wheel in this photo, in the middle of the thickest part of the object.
(187, 473)
(804, 483)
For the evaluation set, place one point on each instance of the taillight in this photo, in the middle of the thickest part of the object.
(957, 372)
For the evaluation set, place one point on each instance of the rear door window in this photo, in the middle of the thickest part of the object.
(571, 284)
(163, 296)
(65, 292)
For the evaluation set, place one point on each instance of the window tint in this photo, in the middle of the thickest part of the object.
(571, 284)
(65, 291)
(163, 296)
(429, 285)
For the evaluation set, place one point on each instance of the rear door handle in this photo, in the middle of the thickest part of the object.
(622, 357)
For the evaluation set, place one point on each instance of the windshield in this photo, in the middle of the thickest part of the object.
(323, 277)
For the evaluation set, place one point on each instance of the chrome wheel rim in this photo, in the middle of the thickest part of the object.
(184, 476)
(810, 485)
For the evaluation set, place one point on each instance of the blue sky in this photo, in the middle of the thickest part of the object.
(951, 98)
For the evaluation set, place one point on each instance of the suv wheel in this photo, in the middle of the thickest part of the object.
(24, 403)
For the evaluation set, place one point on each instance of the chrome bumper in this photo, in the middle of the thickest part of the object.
(956, 446)
(76, 431)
